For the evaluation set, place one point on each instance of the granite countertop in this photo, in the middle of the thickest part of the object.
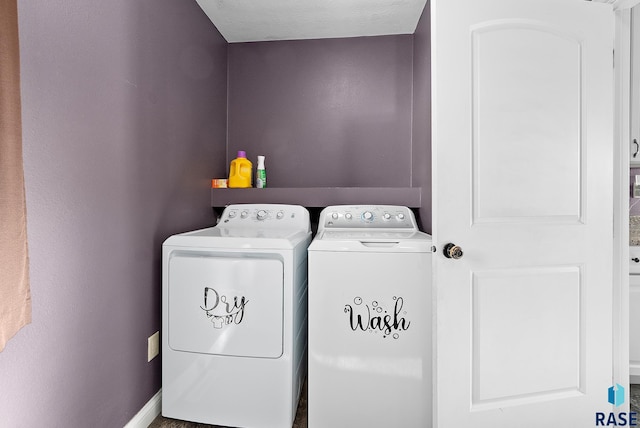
(634, 230)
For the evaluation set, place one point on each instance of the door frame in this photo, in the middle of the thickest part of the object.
(621, 111)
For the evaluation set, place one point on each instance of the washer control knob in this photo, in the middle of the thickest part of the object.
(262, 214)
(334, 216)
(244, 214)
(386, 216)
(279, 215)
(232, 214)
(367, 215)
(400, 216)
(348, 216)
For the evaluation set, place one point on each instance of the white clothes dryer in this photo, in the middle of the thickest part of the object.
(369, 320)
(234, 318)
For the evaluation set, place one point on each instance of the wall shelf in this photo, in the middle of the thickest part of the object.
(319, 196)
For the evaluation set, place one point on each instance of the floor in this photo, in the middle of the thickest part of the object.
(634, 398)
(301, 416)
(300, 421)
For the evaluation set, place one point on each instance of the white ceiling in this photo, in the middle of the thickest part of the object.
(263, 20)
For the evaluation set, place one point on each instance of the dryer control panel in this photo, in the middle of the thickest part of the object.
(265, 216)
(367, 217)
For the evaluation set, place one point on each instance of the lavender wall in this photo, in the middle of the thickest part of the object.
(332, 112)
(124, 111)
(125, 121)
(421, 144)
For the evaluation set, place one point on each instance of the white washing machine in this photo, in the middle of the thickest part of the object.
(369, 320)
(234, 318)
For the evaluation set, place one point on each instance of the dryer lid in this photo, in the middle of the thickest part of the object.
(218, 237)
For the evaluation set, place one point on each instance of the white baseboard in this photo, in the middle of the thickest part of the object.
(148, 413)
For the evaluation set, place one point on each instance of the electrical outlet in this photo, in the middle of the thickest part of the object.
(153, 346)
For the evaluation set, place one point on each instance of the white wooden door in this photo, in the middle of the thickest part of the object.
(523, 144)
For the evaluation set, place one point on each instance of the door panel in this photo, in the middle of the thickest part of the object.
(525, 76)
(522, 142)
(528, 357)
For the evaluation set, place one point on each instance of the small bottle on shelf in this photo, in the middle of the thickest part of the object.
(261, 174)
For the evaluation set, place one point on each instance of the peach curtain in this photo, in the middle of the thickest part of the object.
(15, 296)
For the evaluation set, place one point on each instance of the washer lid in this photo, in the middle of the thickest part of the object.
(366, 235)
(368, 241)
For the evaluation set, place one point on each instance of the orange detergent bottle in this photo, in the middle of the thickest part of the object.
(240, 171)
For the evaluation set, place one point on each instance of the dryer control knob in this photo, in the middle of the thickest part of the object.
(367, 215)
(348, 216)
(262, 214)
(280, 215)
(386, 216)
(334, 216)
(244, 214)
(400, 216)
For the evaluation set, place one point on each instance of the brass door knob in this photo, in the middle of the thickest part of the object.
(452, 251)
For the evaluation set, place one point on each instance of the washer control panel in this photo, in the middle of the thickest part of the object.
(264, 215)
(367, 216)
